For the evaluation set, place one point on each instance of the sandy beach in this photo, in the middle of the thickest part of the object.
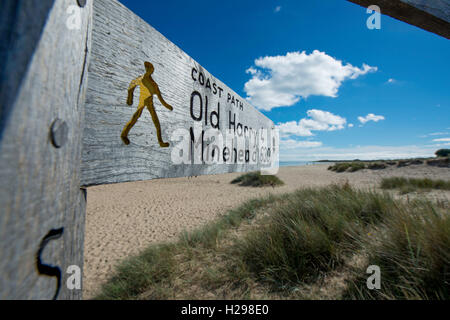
(122, 219)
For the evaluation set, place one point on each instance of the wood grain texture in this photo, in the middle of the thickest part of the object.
(40, 188)
(121, 43)
(433, 16)
(437, 8)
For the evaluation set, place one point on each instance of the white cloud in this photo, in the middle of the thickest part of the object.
(294, 128)
(317, 120)
(277, 8)
(438, 145)
(391, 80)
(294, 144)
(438, 133)
(434, 134)
(370, 117)
(283, 80)
(442, 140)
(350, 125)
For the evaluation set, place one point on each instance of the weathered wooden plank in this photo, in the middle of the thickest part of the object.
(43, 78)
(121, 43)
(433, 16)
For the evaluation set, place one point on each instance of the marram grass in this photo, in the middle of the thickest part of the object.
(281, 246)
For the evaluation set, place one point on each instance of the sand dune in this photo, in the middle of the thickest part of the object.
(123, 219)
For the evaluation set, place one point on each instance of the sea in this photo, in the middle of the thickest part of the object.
(295, 163)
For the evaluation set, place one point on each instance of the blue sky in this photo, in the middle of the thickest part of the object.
(337, 89)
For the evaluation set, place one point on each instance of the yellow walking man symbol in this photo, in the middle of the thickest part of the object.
(148, 89)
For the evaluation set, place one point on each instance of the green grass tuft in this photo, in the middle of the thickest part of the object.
(412, 184)
(256, 179)
(209, 235)
(309, 233)
(347, 166)
(413, 253)
(302, 238)
(356, 166)
(377, 166)
(152, 268)
(440, 162)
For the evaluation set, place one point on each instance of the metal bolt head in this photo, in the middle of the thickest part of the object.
(81, 3)
(59, 133)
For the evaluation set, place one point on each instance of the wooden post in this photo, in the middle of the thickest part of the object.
(45, 47)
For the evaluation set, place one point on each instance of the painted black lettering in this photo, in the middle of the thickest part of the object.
(193, 95)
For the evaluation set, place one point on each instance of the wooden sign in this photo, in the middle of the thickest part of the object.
(91, 94)
(154, 112)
